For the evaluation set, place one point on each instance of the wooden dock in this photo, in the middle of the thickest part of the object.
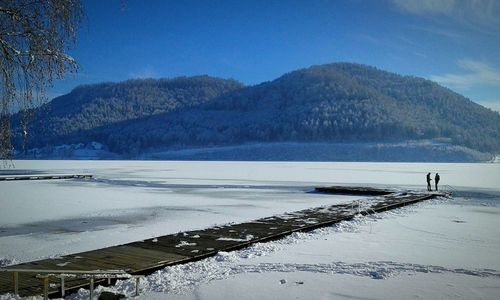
(145, 257)
(43, 177)
(353, 190)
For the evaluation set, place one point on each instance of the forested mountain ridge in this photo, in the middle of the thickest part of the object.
(352, 102)
(341, 102)
(91, 106)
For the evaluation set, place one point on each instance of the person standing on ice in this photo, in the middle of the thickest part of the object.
(429, 188)
(436, 180)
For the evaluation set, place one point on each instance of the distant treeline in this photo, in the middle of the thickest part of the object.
(339, 102)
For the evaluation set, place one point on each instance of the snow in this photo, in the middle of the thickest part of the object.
(248, 237)
(89, 151)
(445, 248)
(410, 150)
(129, 201)
(185, 243)
(413, 252)
(438, 150)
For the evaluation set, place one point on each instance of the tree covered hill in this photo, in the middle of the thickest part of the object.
(339, 102)
(91, 106)
(351, 102)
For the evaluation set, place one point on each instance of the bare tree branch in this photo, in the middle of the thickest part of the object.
(34, 35)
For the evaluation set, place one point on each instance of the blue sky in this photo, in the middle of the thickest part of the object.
(453, 42)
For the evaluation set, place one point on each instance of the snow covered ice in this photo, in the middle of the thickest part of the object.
(446, 248)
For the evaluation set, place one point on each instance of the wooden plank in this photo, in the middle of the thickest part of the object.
(5, 278)
(127, 261)
(349, 190)
(170, 253)
(44, 177)
(140, 256)
(208, 240)
(81, 263)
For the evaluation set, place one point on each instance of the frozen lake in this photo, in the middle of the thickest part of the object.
(134, 200)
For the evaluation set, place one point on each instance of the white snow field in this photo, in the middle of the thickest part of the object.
(438, 249)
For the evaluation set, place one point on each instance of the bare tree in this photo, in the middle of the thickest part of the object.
(34, 37)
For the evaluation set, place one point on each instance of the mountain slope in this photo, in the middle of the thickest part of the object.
(339, 102)
(92, 106)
